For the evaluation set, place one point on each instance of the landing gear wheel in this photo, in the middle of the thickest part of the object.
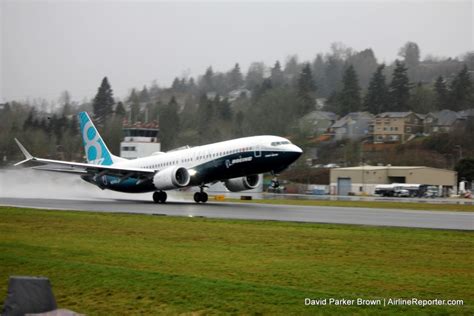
(200, 197)
(160, 197)
(204, 197)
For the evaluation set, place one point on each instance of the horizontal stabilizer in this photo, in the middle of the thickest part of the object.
(25, 152)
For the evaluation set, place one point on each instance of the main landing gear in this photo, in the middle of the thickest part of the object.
(160, 197)
(201, 196)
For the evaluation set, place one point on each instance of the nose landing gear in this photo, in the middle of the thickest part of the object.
(160, 197)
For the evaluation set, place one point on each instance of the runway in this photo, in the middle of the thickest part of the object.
(250, 211)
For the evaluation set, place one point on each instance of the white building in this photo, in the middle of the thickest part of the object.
(140, 141)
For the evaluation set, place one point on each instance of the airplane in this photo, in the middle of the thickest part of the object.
(236, 162)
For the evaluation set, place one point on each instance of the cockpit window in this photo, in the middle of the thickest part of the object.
(280, 143)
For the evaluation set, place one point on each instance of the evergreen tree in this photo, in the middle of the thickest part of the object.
(318, 73)
(74, 125)
(144, 96)
(365, 64)
(441, 93)
(103, 102)
(255, 75)
(411, 54)
(65, 101)
(120, 109)
(333, 74)
(422, 100)
(28, 124)
(276, 76)
(236, 79)
(134, 106)
(376, 99)
(169, 124)
(461, 91)
(306, 90)
(225, 112)
(205, 117)
(207, 81)
(399, 89)
(349, 98)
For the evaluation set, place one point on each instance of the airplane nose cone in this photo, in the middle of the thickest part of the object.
(298, 150)
(294, 153)
(295, 149)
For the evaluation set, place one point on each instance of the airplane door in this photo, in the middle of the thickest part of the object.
(258, 151)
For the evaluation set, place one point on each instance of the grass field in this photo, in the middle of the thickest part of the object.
(367, 204)
(119, 264)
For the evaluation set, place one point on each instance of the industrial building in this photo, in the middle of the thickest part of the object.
(363, 179)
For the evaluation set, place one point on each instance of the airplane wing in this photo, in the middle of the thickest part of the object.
(81, 168)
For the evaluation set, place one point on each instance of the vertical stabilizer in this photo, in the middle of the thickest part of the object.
(94, 147)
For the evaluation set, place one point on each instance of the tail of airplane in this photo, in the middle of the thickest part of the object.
(94, 147)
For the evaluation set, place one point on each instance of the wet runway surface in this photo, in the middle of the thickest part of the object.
(250, 211)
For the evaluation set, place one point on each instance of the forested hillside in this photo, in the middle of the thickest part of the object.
(263, 99)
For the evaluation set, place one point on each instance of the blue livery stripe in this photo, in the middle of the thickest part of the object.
(94, 147)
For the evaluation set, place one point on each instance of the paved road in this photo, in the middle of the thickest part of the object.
(315, 214)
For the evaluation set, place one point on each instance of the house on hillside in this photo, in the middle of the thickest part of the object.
(353, 126)
(317, 122)
(395, 127)
(442, 121)
(469, 113)
(237, 93)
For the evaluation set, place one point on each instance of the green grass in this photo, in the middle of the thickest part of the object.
(366, 204)
(119, 264)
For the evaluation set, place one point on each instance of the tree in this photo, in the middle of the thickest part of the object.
(333, 74)
(422, 99)
(103, 102)
(441, 93)
(399, 89)
(318, 74)
(65, 101)
(207, 81)
(144, 96)
(461, 91)
(255, 75)
(349, 98)
(134, 106)
(205, 117)
(169, 124)
(376, 99)
(120, 109)
(465, 169)
(292, 68)
(410, 53)
(276, 76)
(223, 107)
(365, 64)
(306, 89)
(236, 79)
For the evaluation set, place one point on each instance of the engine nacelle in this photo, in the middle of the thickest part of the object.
(242, 183)
(171, 178)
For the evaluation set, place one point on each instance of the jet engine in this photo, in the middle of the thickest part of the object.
(242, 183)
(171, 178)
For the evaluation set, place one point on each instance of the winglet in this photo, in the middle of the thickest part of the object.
(25, 152)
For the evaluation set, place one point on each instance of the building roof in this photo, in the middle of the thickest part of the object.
(394, 114)
(467, 113)
(382, 168)
(320, 115)
(352, 116)
(447, 117)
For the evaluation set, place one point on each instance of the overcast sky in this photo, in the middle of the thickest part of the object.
(51, 46)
